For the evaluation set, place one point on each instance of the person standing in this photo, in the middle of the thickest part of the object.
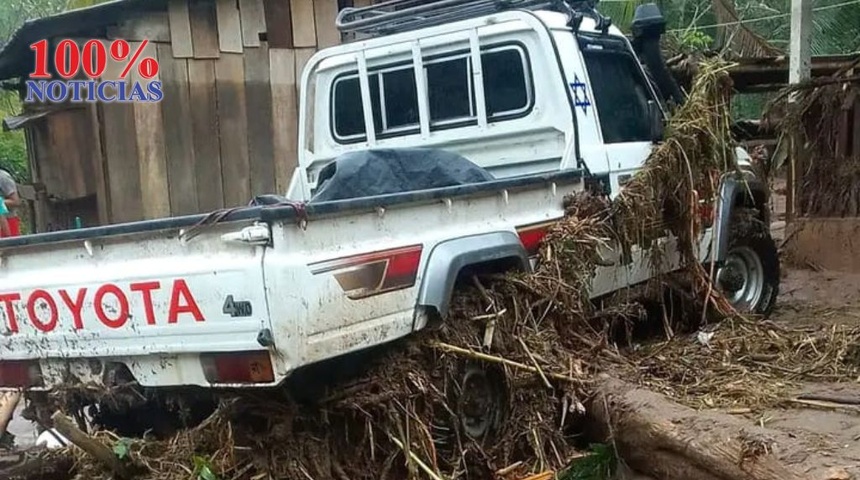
(11, 199)
(10, 226)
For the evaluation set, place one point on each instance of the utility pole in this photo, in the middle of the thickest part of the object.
(798, 72)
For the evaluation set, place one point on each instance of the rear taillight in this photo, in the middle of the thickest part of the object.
(706, 214)
(238, 367)
(531, 236)
(20, 374)
(706, 210)
(368, 274)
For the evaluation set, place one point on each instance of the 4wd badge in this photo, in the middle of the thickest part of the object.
(236, 309)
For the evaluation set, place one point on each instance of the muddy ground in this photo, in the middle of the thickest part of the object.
(829, 422)
(812, 296)
(820, 298)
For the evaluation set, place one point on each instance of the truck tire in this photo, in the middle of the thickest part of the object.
(480, 401)
(750, 276)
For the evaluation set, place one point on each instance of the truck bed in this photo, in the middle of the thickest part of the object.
(181, 310)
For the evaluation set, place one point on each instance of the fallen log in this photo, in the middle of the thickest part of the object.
(91, 446)
(663, 439)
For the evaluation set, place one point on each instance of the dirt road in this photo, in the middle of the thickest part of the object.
(829, 299)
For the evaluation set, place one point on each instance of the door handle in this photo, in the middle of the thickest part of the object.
(253, 235)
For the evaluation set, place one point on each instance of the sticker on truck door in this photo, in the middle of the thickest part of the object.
(580, 94)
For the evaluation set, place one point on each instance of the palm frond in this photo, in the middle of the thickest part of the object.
(740, 38)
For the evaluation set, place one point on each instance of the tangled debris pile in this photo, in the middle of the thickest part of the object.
(500, 389)
(748, 365)
(815, 114)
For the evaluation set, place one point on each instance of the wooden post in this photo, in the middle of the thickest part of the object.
(798, 72)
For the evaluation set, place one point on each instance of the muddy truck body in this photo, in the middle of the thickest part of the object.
(439, 143)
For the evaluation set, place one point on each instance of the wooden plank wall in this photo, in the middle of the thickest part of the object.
(226, 128)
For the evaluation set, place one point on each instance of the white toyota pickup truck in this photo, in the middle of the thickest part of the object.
(440, 141)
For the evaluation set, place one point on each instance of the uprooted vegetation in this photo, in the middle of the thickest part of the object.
(815, 116)
(504, 386)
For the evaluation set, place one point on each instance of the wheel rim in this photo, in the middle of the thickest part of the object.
(742, 278)
(479, 403)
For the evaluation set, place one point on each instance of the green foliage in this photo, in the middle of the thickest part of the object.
(750, 105)
(836, 29)
(121, 448)
(203, 469)
(13, 155)
(692, 40)
(598, 465)
(13, 150)
(13, 13)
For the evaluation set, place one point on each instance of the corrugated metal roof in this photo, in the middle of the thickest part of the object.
(16, 58)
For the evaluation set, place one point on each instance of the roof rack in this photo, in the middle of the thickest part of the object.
(394, 16)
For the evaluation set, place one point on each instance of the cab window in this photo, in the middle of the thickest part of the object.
(450, 90)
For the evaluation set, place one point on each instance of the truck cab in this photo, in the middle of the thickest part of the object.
(516, 91)
(519, 88)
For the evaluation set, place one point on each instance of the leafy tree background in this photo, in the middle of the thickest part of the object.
(745, 27)
(13, 13)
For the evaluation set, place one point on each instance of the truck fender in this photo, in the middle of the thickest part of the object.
(447, 260)
(735, 191)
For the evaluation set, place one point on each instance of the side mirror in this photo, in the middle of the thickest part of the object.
(655, 115)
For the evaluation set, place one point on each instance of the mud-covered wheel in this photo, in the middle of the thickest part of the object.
(749, 277)
(480, 401)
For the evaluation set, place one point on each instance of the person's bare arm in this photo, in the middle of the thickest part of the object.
(12, 200)
(9, 189)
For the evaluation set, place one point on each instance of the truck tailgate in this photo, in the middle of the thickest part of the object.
(131, 296)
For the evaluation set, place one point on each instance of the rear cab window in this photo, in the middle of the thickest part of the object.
(451, 96)
(621, 90)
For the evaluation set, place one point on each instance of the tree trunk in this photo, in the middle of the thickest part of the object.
(658, 437)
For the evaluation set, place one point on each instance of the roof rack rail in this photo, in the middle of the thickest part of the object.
(394, 16)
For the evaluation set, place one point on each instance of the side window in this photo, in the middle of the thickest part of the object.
(506, 85)
(399, 94)
(349, 113)
(393, 97)
(450, 91)
(621, 94)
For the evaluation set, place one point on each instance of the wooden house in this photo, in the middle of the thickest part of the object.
(224, 131)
